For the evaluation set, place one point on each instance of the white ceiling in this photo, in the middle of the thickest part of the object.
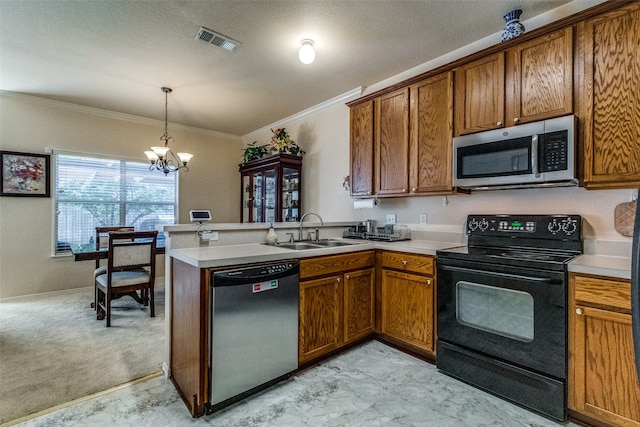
(116, 55)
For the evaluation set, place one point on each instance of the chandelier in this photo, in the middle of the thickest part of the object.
(162, 158)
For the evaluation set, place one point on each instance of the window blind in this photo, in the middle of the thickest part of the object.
(95, 192)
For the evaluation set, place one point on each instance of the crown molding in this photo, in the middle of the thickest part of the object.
(108, 114)
(340, 99)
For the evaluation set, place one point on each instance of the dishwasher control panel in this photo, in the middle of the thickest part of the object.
(277, 268)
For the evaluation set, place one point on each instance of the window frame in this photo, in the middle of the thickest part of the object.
(122, 202)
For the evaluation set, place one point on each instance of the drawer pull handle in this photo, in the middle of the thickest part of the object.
(347, 277)
(404, 262)
(578, 311)
(339, 280)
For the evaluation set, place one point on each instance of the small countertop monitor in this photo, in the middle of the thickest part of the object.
(200, 216)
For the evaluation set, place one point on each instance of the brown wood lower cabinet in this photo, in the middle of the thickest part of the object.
(603, 383)
(407, 301)
(336, 302)
(190, 334)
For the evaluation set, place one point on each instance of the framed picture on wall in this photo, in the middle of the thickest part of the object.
(25, 174)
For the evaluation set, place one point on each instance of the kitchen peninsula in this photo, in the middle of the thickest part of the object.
(191, 270)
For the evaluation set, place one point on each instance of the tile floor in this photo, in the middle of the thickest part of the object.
(370, 385)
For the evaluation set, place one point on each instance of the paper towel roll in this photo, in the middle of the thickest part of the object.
(364, 203)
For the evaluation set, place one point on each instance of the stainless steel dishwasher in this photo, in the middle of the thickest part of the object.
(254, 330)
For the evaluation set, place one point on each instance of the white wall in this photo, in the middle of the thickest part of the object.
(30, 124)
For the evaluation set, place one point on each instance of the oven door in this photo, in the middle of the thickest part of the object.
(511, 314)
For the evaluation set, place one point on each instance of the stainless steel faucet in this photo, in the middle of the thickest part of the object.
(302, 219)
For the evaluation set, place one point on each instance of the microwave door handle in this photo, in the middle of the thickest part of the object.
(534, 156)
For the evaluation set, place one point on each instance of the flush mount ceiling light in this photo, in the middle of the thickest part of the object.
(217, 39)
(307, 53)
(162, 158)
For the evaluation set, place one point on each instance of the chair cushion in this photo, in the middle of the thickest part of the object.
(99, 271)
(124, 278)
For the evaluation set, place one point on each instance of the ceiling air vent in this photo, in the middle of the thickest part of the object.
(216, 39)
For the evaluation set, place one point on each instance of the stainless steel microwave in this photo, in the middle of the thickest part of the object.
(530, 155)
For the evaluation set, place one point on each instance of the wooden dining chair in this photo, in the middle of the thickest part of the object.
(102, 241)
(131, 268)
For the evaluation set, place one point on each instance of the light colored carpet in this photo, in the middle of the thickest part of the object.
(53, 350)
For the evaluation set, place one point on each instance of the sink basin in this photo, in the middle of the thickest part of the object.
(298, 246)
(312, 244)
(331, 243)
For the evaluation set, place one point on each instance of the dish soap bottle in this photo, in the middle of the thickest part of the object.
(272, 238)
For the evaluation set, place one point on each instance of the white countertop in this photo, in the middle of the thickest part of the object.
(220, 256)
(601, 265)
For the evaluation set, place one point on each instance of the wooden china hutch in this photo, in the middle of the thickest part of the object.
(270, 189)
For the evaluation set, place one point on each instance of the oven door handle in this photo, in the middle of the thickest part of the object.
(505, 275)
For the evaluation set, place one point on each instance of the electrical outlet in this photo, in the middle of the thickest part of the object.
(391, 218)
(423, 219)
(209, 235)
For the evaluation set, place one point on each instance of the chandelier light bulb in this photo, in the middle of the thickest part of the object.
(161, 157)
(307, 53)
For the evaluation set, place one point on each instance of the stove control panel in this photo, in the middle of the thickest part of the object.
(535, 226)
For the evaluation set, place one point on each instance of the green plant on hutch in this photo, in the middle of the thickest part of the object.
(253, 152)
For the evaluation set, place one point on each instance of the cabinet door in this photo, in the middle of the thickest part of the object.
(361, 149)
(611, 78)
(392, 142)
(431, 134)
(605, 381)
(358, 304)
(407, 308)
(479, 95)
(320, 317)
(539, 78)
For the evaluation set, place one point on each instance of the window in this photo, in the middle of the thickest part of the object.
(96, 192)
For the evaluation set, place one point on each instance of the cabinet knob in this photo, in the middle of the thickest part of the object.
(346, 276)
(404, 190)
(414, 189)
(404, 262)
(428, 281)
(516, 120)
(339, 279)
(498, 123)
(368, 192)
(578, 311)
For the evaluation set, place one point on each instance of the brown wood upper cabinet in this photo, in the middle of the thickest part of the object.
(413, 131)
(361, 167)
(530, 81)
(608, 61)
(392, 142)
(431, 127)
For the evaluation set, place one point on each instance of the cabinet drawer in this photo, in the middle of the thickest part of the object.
(612, 293)
(336, 264)
(420, 264)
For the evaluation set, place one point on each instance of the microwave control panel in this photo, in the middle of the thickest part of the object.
(553, 147)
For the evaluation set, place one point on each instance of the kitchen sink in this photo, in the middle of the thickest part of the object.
(331, 243)
(313, 244)
(298, 246)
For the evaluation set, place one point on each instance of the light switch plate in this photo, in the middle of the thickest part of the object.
(391, 218)
(423, 219)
